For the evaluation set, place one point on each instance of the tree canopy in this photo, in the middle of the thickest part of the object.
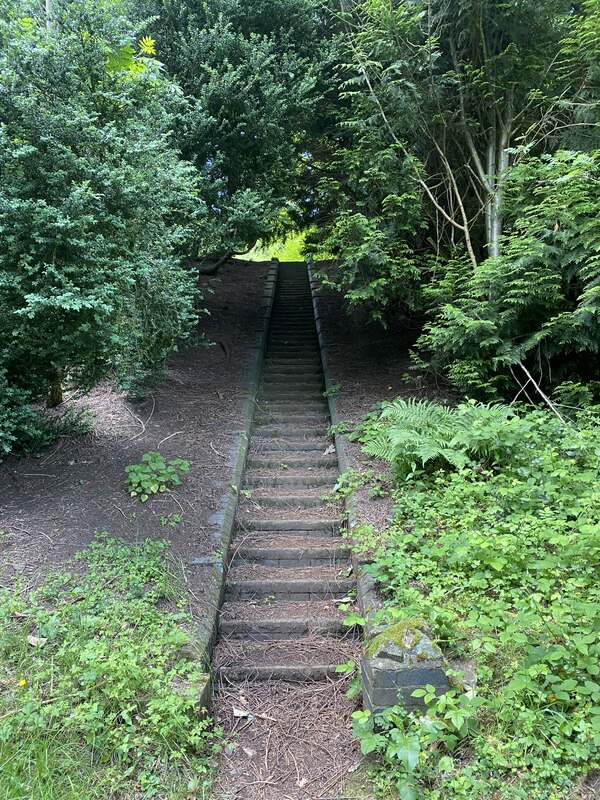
(445, 155)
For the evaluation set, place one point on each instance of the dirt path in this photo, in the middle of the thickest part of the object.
(51, 506)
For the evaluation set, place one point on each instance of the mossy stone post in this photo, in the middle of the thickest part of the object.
(399, 659)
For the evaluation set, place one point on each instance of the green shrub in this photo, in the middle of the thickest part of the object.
(410, 432)
(96, 206)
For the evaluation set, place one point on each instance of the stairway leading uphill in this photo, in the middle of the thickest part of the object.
(289, 566)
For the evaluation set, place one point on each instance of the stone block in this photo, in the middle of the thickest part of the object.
(400, 659)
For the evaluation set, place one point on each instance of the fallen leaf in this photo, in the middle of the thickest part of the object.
(302, 783)
(249, 752)
(330, 450)
(36, 641)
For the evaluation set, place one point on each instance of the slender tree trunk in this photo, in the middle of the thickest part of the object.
(500, 162)
(48, 14)
(55, 397)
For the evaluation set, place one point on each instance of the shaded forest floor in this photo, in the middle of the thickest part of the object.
(50, 507)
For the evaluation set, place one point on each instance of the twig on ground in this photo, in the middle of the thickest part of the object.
(144, 424)
(162, 441)
(210, 444)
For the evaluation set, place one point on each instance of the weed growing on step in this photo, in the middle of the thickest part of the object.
(97, 698)
(154, 475)
(501, 558)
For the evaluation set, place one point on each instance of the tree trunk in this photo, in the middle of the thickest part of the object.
(211, 269)
(55, 397)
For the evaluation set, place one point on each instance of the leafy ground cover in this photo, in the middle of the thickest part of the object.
(99, 697)
(497, 552)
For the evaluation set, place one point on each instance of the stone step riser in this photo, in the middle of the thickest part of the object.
(296, 374)
(257, 462)
(285, 361)
(289, 482)
(296, 526)
(291, 563)
(273, 407)
(300, 380)
(286, 419)
(288, 590)
(285, 673)
(285, 628)
(316, 446)
(289, 431)
(291, 502)
(281, 396)
(320, 534)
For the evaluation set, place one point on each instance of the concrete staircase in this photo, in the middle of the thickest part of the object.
(289, 566)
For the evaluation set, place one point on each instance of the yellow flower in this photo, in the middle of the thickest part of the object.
(147, 45)
(22, 682)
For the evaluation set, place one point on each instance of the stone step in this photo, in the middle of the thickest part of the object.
(292, 556)
(253, 581)
(292, 432)
(298, 660)
(298, 407)
(278, 445)
(325, 526)
(279, 351)
(285, 346)
(295, 374)
(313, 381)
(312, 418)
(282, 394)
(295, 480)
(270, 621)
(292, 502)
(272, 401)
(293, 461)
(292, 362)
(293, 336)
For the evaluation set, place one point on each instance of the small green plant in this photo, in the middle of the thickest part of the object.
(171, 520)
(350, 669)
(342, 428)
(347, 483)
(420, 433)
(333, 390)
(154, 475)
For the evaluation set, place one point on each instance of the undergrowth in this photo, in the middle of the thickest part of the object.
(97, 696)
(500, 556)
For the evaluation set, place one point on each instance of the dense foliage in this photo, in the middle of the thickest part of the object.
(96, 206)
(135, 140)
(461, 181)
(97, 696)
(499, 558)
(250, 73)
